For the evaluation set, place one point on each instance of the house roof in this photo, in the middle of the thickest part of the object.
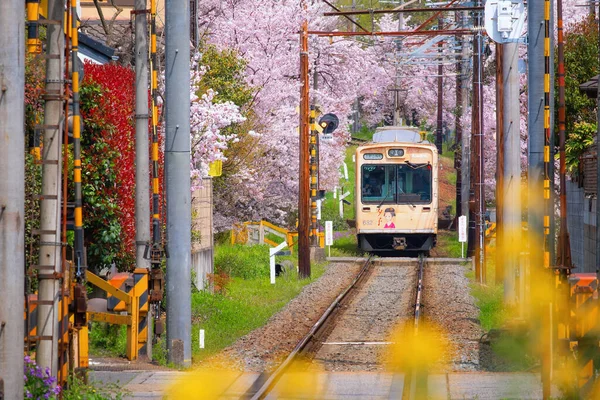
(590, 88)
(95, 50)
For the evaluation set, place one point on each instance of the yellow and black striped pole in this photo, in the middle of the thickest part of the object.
(154, 93)
(156, 279)
(34, 44)
(314, 241)
(547, 186)
(79, 256)
(547, 307)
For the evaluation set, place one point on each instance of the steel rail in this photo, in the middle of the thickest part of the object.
(274, 377)
(419, 293)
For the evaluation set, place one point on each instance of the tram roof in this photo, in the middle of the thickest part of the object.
(404, 134)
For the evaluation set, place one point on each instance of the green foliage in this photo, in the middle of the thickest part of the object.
(345, 246)
(241, 261)
(365, 133)
(225, 76)
(580, 138)
(248, 305)
(99, 177)
(108, 340)
(33, 186)
(79, 390)
(491, 307)
(581, 61)
(448, 245)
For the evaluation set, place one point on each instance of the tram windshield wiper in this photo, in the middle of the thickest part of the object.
(382, 200)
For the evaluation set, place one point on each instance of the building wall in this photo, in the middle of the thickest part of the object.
(89, 11)
(202, 233)
(581, 219)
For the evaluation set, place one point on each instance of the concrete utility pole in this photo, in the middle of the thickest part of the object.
(465, 162)
(499, 162)
(12, 196)
(511, 181)
(50, 248)
(477, 208)
(457, 121)
(142, 156)
(177, 164)
(535, 126)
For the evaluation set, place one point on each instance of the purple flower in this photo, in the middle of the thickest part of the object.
(28, 394)
(27, 359)
(56, 390)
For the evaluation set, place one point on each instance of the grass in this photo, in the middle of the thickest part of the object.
(345, 246)
(246, 305)
(107, 340)
(448, 245)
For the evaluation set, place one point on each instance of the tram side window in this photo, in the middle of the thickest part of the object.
(415, 184)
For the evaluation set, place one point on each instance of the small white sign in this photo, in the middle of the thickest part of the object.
(328, 137)
(328, 233)
(201, 338)
(353, 157)
(462, 228)
(319, 209)
(345, 171)
(335, 192)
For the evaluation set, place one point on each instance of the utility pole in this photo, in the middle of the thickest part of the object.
(499, 276)
(304, 184)
(355, 115)
(12, 197)
(50, 226)
(142, 156)
(465, 148)
(537, 23)
(397, 118)
(511, 180)
(477, 208)
(177, 160)
(458, 161)
(316, 252)
(440, 101)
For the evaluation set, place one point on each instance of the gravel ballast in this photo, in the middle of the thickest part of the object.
(264, 348)
(449, 305)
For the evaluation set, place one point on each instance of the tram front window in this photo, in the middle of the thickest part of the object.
(415, 183)
(396, 183)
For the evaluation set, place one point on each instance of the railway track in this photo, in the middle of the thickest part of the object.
(351, 334)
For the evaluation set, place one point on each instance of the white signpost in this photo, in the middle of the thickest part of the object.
(201, 338)
(462, 233)
(319, 209)
(335, 192)
(272, 253)
(342, 197)
(329, 235)
(345, 171)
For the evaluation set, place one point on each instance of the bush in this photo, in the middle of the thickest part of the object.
(241, 261)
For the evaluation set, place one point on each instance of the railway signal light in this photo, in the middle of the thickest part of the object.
(329, 123)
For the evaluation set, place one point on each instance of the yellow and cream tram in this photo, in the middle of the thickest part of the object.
(397, 192)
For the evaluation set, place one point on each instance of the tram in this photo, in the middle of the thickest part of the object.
(396, 192)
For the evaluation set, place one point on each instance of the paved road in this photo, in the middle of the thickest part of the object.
(143, 385)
